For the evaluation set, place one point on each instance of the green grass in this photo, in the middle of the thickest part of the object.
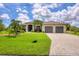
(74, 33)
(23, 44)
(4, 32)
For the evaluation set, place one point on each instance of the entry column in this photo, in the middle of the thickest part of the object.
(26, 28)
(32, 28)
(43, 28)
(54, 29)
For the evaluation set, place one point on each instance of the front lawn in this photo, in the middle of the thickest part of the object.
(24, 44)
(72, 32)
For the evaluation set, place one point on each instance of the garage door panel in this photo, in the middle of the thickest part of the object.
(59, 29)
(48, 29)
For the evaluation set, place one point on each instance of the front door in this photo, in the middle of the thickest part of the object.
(37, 28)
(29, 27)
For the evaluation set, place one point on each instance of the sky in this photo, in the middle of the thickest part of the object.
(26, 12)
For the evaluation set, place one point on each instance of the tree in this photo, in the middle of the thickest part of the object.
(22, 28)
(37, 22)
(68, 26)
(14, 26)
(2, 27)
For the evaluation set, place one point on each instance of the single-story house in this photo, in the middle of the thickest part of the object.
(48, 27)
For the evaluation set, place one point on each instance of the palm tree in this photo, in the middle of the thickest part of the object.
(2, 27)
(37, 22)
(15, 26)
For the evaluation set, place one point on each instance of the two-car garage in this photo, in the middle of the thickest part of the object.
(58, 29)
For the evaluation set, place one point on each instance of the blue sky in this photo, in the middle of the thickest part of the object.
(29, 11)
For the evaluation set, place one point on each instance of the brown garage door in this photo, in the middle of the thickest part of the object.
(59, 29)
(49, 29)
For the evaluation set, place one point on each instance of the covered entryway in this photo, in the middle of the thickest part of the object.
(48, 29)
(37, 29)
(59, 29)
(29, 27)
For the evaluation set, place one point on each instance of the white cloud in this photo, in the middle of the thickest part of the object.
(35, 16)
(42, 10)
(53, 5)
(73, 13)
(24, 11)
(5, 16)
(37, 8)
(36, 5)
(47, 5)
(75, 23)
(19, 10)
(23, 17)
(45, 14)
(2, 5)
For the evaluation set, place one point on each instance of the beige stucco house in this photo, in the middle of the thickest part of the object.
(48, 27)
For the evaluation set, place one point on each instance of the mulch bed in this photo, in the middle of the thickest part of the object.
(7, 34)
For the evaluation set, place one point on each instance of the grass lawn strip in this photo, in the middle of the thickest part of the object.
(23, 44)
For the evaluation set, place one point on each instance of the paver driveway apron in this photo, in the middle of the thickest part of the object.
(64, 44)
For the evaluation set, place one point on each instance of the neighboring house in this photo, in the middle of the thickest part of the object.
(48, 27)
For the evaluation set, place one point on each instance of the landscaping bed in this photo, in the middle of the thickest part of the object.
(7, 34)
(25, 44)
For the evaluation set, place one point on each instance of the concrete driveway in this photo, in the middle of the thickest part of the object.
(64, 44)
